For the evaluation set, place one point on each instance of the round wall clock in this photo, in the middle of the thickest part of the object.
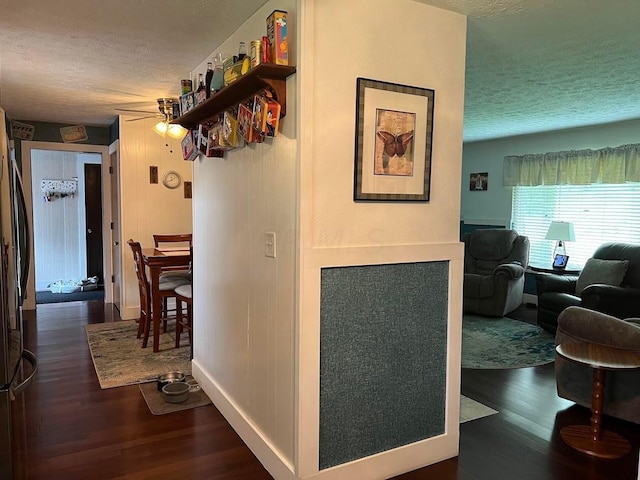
(171, 179)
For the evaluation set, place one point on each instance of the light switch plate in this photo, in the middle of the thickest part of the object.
(270, 244)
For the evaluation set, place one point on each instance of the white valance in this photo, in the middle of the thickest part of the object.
(576, 167)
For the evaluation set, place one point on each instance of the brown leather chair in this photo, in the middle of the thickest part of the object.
(167, 287)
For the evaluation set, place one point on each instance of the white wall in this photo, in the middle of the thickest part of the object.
(402, 42)
(244, 301)
(494, 205)
(147, 208)
(56, 239)
(256, 318)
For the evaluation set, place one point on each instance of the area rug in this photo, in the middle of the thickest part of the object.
(497, 343)
(157, 405)
(472, 410)
(119, 359)
(48, 297)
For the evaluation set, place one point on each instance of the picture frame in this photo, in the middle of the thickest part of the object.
(479, 182)
(393, 142)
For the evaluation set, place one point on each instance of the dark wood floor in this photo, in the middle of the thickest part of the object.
(68, 428)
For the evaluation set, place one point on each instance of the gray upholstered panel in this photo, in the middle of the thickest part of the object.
(383, 346)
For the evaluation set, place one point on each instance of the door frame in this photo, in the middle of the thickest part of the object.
(103, 150)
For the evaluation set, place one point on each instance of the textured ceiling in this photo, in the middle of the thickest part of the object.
(77, 61)
(532, 65)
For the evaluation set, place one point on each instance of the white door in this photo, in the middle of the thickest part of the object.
(116, 253)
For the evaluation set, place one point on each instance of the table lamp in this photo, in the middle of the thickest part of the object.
(560, 232)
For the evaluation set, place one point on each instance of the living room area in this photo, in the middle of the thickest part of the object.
(600, 239)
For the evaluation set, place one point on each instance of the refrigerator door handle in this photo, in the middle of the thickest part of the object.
(18, 389)
(26, 265)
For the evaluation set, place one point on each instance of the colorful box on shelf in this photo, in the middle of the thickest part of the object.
(245, 117)
(266, 116)
(230, 130)
(200, 97)
(190, 146)
(277, 35)
(186, 103)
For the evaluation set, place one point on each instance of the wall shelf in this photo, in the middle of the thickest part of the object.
(263, 76)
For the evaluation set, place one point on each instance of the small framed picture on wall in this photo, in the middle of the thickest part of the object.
(479, 181)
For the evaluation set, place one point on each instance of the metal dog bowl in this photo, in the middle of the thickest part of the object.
(170, 377)
(176, 392)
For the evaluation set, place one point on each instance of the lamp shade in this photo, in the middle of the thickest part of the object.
(160, 128)
(561, 231)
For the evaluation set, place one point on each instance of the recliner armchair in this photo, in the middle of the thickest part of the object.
(494, 263)
(557, 292)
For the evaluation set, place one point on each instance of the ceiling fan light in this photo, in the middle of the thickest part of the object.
(176, 131)
(160, 128)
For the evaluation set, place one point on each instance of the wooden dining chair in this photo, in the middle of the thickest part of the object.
(184, 320)
(174, 240)
(167, 287)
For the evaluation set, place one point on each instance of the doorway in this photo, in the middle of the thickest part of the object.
(66, 189)
(66, 186)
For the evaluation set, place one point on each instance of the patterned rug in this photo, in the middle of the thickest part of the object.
(496, 343)
(119, 358)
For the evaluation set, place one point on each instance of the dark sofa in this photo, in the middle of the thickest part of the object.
(557, 292)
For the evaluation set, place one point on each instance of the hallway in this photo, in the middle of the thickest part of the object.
(75, 430)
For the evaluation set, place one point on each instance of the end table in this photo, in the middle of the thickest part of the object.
(594, 440)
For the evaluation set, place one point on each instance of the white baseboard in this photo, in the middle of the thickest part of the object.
(275, 463)
(129, 313)
(379, 466)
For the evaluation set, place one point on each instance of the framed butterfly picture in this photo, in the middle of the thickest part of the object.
(394, 134)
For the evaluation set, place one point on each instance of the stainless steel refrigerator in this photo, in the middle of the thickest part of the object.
(17, 365)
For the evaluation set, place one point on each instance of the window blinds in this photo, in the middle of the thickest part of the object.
(599, 212)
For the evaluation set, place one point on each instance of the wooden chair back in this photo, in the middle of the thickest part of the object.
(143, 286)
(186, 238)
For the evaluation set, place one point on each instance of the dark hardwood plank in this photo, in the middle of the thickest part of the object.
(68, 428)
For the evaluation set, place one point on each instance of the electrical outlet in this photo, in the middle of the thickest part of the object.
(270, 244)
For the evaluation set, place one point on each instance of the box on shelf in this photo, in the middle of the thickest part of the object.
(277, 35)
(230, 130)
(245, 117)
(266, 116)
(186, 103)
(259, 115)
(203, 138)
(200, 97)
(190, 146)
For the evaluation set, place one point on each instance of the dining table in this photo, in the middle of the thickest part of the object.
(157, 260)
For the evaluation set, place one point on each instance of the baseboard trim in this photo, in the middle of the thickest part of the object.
(274, 461)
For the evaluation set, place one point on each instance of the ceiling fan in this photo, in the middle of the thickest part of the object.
(165, 114)
(165, 110)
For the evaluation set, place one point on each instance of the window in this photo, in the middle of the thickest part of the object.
(599, 212)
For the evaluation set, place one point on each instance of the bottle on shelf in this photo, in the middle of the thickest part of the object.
(201, 86)
(217, 80)
(242, 51)
(208, 77)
